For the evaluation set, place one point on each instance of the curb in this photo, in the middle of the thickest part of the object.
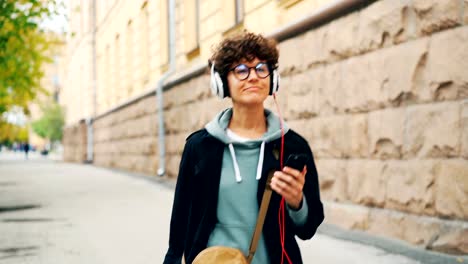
(391, 245)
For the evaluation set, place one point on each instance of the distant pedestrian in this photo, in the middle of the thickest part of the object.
(224, 167)
(26, 149)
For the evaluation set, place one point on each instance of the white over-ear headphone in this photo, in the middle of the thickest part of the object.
(217, 87)
(275, 82)
(220, 89)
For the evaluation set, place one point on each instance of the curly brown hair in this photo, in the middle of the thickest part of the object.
(246, 45)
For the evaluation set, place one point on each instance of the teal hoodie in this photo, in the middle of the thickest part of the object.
(237, 208)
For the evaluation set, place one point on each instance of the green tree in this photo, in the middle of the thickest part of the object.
(10, 133)
(50, 125)
(23, 50)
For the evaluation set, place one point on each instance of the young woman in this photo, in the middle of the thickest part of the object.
(224, 166)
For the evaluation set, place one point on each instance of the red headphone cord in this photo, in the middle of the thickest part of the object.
(281, 216)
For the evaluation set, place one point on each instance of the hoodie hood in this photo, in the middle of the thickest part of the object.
(217, 127)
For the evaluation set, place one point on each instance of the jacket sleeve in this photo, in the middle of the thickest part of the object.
(312, 194)
(180, 208)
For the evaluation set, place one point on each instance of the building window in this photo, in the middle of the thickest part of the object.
(129, 59)
(144, 42)
(81, 10)
(233, 16)
(115, 91)
(239, 11)
(164, 35)
(56, 96)
(55, 80)
(192, 27)
(107, 78)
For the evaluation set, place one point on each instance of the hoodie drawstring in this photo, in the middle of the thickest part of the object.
(260, 161)
(236, 165)
(234, 162)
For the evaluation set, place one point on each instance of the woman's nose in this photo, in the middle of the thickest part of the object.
(254, 75)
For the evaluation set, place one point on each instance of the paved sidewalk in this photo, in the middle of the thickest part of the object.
(54, 212)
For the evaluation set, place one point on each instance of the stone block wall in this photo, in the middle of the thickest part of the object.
(381, 95)
(188, 107)
(74, 142)
(127, 138)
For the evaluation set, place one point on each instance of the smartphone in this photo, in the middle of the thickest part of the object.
(297, 161)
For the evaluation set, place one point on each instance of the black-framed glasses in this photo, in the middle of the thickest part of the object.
(242, 71)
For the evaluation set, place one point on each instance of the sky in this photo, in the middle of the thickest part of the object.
(58, 23)
(15, 116)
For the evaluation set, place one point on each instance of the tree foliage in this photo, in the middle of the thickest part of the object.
(50, 125)
(23, 50)
(10, 133)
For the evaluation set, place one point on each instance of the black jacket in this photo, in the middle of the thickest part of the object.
(195, 201)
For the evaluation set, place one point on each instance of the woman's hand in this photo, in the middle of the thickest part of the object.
(289, 184)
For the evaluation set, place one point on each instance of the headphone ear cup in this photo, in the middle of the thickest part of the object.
(214, 89)
(275, 82)
(216, 83)
(219, 85)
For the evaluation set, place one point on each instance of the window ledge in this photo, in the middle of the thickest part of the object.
(234, 29)
(164, 67)
(287, 3)
(194, 53)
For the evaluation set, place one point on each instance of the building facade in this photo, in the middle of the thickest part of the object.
(378, 88)
(50, 82)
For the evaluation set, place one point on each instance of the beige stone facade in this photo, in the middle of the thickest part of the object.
(74, 140)
(379, 93)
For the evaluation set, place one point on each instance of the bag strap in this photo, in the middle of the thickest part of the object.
(261, 217)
